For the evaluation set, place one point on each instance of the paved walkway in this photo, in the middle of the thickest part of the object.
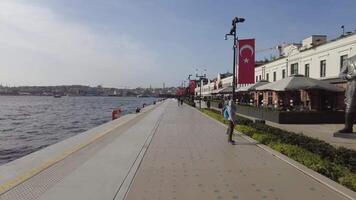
(323, 132)
(189, 158)
(168, 153)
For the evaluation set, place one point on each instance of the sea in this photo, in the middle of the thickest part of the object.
(30, 123)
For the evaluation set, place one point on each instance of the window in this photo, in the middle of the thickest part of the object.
(342, 60)
(283, 73)
(322, 68)
(267, 76)
(294, 68)
(307, 66)
(256, 78)
(274, 76)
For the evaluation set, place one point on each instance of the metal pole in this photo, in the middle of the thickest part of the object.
(287, 67)
(200, 93)
(234, 67)
(233, 31)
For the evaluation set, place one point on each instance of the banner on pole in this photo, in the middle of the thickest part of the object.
(246, 67)
(192, 86)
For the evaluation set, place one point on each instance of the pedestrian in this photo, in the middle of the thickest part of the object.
(348, 73)
(181, 101)
(178, 100)
(230, 112)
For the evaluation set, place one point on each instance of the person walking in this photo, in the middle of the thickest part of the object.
(178, 100)
(231, 112)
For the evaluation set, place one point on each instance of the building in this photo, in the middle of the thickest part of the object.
(223, 80)
(314, 57)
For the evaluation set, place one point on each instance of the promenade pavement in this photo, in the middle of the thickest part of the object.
(173, 152)
(323, 132)
(189, 158)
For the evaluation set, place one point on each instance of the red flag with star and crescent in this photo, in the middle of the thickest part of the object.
(246, 67)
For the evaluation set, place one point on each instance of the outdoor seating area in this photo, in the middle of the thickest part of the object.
(295, 99)
(295, 93)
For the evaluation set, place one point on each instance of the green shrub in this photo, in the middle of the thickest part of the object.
(264, 138)
(349, 180)
(346, 157)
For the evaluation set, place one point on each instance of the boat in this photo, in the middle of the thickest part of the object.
(57, 96)
(114, 94)
(142, 96)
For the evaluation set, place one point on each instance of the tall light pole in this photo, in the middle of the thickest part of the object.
(234, 35)
(201, 77)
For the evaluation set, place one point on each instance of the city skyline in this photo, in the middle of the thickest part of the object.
(126, 43)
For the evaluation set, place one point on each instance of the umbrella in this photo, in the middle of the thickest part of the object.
(252, 87)
(299, 82)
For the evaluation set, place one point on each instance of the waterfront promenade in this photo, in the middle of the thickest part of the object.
(166, 152)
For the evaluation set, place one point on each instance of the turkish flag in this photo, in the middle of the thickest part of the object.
(192, 86)
(246, 67)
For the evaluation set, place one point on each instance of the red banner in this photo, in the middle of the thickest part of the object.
(192, 87)
(246, 67)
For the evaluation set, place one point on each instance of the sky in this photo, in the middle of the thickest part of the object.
(138, 43)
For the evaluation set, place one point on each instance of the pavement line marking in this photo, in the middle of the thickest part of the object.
(9, 184)
(275, 154)
(125, 186)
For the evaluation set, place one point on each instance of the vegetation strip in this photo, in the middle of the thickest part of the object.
(338, 164)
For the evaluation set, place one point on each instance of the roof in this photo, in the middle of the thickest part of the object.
(252, 87)
(299, 82)
(334, 80)
(224, 75)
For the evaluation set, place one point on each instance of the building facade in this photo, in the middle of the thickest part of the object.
(314, 57)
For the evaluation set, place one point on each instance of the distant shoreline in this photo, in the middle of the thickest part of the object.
(15, 95)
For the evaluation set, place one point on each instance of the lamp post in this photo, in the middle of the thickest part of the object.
(201, 77)
(234, 35)
(189, 87)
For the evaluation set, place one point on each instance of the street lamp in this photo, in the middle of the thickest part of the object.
(201, 77)
(234, 35)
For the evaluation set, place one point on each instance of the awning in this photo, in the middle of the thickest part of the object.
(252, 87)
(299, 82)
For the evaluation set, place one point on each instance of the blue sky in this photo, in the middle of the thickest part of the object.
(139, 42)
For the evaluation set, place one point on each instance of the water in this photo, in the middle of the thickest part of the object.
(29, 123)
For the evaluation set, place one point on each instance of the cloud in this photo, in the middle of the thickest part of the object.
(39, 47)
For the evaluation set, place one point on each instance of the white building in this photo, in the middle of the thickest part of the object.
(314, 57)
(222, 81)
